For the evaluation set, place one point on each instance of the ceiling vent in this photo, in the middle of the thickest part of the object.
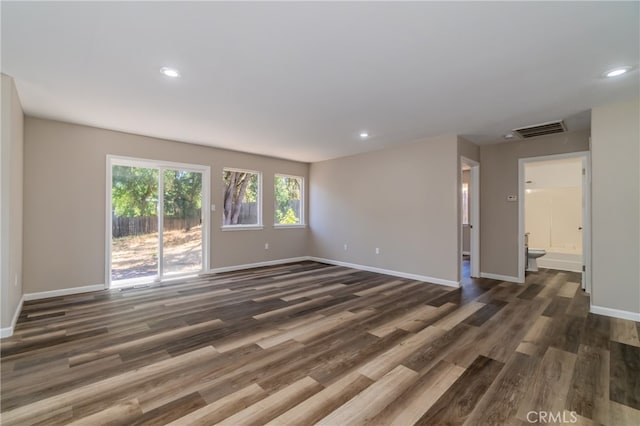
(541, 129)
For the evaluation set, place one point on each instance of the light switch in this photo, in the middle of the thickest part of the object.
(213, 207)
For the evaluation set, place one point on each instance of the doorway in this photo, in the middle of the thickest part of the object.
(156, 220)
(554, 214)
(470, 217)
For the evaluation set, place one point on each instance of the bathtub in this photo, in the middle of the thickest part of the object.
(561, 260)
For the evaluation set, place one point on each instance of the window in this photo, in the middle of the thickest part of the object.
(242, 203)
(289, 202)
(465, 203)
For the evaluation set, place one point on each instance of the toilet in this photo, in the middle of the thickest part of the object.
(532, 255)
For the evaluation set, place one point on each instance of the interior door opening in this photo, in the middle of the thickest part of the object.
(470, 218)
(554, 215)
(157, 220)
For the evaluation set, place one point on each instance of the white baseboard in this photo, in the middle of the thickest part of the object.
(616, 313)
(257, 264)
(500, 277)
(562, 265)
(63, 292)
(425, 278)
(8, 331)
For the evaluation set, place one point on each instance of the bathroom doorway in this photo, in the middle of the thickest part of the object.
(554, 215)
(470, 218)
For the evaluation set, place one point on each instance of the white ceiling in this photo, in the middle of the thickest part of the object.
(301, 80)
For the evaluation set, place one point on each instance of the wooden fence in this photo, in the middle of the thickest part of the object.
(126, 226)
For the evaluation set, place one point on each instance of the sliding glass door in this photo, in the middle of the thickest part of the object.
(134, 222)
(157, 221)
(182, 222)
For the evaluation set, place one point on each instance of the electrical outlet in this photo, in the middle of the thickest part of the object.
(345, 247)
(213, 207)
(377, 250)
(266, 246)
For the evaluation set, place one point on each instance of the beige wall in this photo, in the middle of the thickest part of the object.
(11, 185)
(499, 179)
(468, 149)
(65, 202)
(402, 200)
(615, 153)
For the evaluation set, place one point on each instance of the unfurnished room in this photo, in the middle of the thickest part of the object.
(332, 213)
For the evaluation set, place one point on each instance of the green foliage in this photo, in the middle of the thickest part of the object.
(287, 189)
(289, 218)
(182, 193)
(134, 191)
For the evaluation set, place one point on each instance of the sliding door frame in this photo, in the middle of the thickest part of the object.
(117, 160)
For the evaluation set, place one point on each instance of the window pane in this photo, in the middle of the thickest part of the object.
(241, 198)
(288, 200)
(182, 223)
(134, 200)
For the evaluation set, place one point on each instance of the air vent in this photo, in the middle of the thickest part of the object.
(541, 129)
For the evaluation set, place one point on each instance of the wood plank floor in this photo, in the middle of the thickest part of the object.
(309, 343)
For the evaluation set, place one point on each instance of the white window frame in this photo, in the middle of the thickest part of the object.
(244, 227)
(117, 160)
(302, 223)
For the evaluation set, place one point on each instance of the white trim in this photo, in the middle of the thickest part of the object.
(586, 223)
(144, 281)
(63, 292)
(425, 278)
(466, 253)
(260, 223)
(474, 216)
(302, 223)
(160, 214)
(108, 227)
(586, 210)
(121, 160)
(615, 313)
(257, 264)
(241, 228)
(501, 277)
(286, 226)
(161, 166)
(8, 331)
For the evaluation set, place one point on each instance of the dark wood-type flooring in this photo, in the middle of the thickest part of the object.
(309, 343)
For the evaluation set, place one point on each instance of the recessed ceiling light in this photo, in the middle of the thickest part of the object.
(364, 135)
(617, 71)
(170, 72)
(508, 136)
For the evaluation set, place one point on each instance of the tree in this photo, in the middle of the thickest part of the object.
(287, 191)
(239, 187)
(134, 191)
(182, 195)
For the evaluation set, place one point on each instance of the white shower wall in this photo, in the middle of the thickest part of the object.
(553, 217)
